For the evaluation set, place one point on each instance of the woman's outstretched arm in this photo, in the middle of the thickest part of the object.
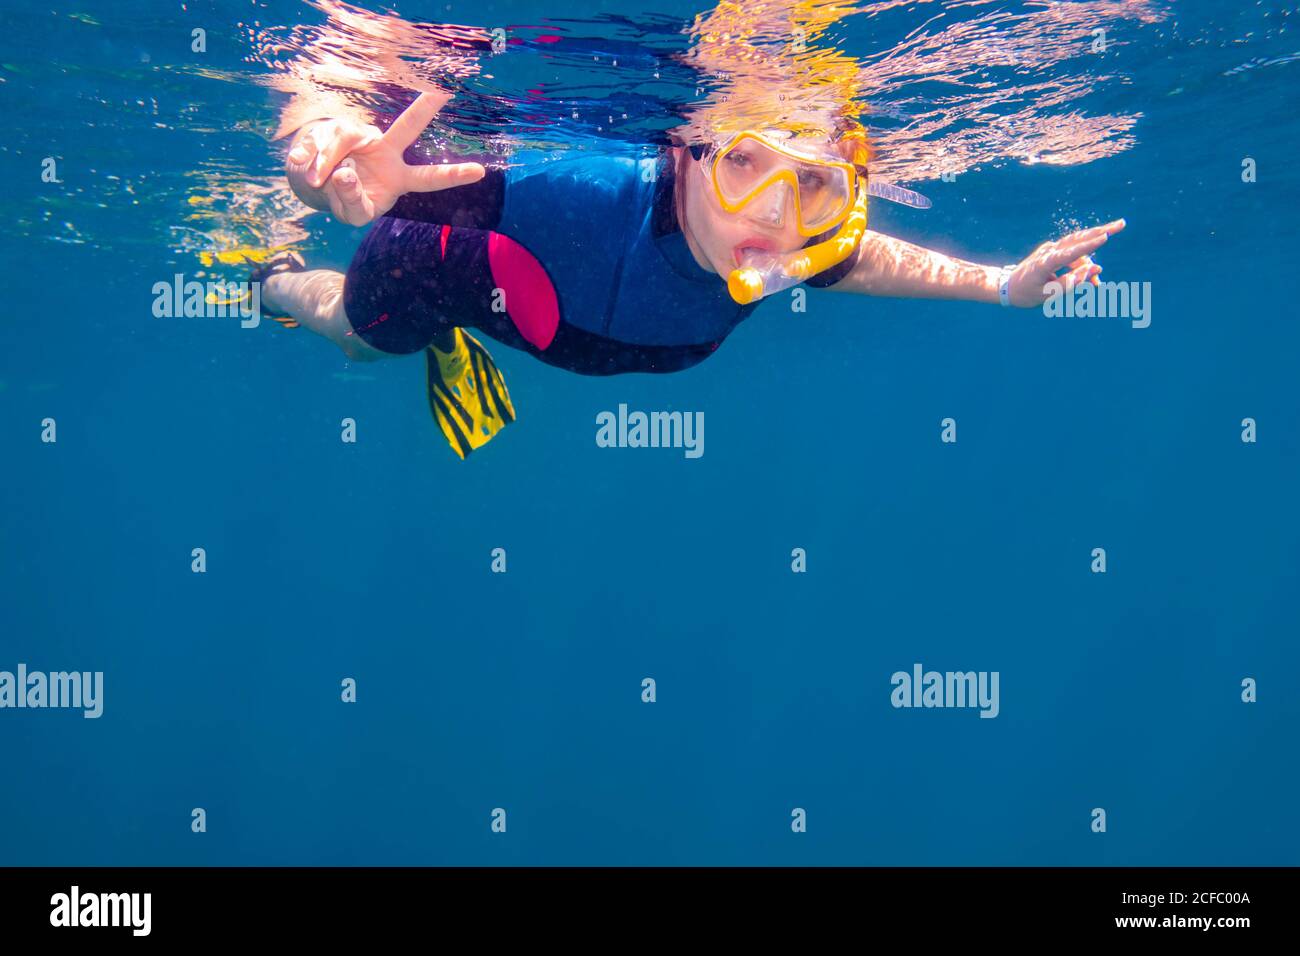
(891, 267)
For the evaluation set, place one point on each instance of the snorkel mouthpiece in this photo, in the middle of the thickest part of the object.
(746, 283)
(762, 273)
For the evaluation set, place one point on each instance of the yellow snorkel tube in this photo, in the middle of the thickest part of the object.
(762, 274)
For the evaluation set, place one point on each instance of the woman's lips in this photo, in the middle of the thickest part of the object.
(762, 245)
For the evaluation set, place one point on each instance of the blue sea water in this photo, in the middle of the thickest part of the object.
(522, 690)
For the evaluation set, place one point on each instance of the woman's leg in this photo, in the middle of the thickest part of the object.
(401, 292)
(315, 300)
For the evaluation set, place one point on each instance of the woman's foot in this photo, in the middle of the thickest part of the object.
(284, 261)
(314, 298)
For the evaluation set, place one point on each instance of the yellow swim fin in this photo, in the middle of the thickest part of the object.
(467, 394)
(267, 262)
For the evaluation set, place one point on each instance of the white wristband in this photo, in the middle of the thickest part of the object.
(1004, 285)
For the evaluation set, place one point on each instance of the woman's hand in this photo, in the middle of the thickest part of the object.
(1074, 253)
(357, 171)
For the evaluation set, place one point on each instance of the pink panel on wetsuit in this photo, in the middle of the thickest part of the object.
(530, 297)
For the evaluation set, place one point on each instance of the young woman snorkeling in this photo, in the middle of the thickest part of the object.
(603, 264)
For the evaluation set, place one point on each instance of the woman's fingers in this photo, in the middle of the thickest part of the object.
(1073, 253)
(303, 152)
(1054, 255)
(1084, 268)
(1086, 274)
(348, 200)
(406, 129)
(1081, 271)
(338, 142)
(1105, 229)
(1068, 250)
(424, 179)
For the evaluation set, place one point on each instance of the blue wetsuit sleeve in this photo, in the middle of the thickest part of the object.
(584, 193)
(474, 206)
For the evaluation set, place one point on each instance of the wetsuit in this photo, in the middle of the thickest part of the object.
(579, 261)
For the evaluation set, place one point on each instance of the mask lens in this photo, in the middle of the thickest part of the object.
(823, 194)
(744, 168)
(749, 167)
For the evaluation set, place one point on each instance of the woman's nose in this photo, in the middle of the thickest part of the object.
(768, 207)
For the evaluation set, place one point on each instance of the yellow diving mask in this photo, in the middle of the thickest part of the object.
(761, 174)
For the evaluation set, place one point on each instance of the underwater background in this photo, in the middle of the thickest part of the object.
(522, 690)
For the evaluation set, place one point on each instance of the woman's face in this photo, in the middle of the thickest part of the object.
(718, 238)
